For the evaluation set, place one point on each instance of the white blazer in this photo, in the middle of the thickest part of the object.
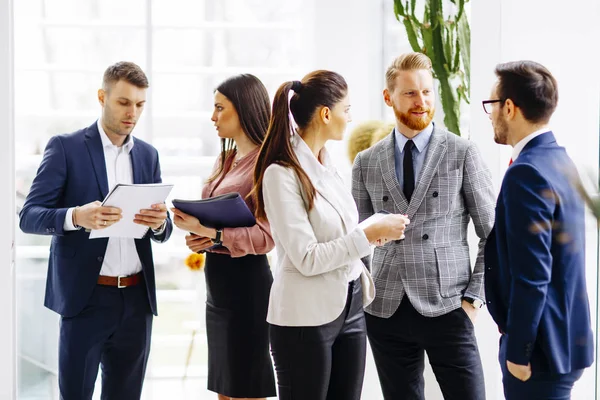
(318, 251)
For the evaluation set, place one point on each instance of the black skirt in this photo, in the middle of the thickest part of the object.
(237, 298)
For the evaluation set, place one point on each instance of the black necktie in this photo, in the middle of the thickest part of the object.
(408, 170)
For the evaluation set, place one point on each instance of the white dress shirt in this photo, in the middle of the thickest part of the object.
(121, 257)
(523, 142)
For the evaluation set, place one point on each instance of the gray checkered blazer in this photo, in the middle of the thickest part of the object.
(432, 264)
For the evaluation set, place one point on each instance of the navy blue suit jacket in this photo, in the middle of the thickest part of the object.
(73, 173)
(535, 262)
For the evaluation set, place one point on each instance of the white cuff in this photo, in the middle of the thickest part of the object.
(357, 243)
(161, 229)
(68, 224)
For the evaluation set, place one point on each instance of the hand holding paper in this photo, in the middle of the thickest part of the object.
(153, 217)
(382, 227)
(94, 216)
(135, 202)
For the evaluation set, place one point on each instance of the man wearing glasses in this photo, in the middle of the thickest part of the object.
(535, 268)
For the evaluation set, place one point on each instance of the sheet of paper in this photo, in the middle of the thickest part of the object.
(371, 220)
(131, 199)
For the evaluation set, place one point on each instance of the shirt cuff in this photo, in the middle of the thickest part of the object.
(68, 224)
(161, 229)
(472, 296)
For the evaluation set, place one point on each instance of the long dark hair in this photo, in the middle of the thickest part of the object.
(251, 102)
(318, 89)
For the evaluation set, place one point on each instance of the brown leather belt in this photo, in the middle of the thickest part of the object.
(120, 281)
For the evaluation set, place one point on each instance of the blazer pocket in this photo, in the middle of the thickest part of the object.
(454, 270)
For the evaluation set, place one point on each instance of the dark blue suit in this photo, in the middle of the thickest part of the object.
(73, 173)
(535, 273)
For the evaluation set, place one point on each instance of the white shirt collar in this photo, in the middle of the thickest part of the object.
(313, 168)
(128, 145)
(523, 142)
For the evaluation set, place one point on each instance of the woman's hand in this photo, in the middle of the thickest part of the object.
(191, 224)
(390, 227)
(197, 243)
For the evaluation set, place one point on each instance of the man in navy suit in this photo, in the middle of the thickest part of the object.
(103, 289)
(535, 281)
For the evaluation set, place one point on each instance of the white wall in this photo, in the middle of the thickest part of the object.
(563, 37)
(7, 205)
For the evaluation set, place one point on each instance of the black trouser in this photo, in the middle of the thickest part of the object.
(114, 331)
(399, 343)
(323, 362)
(542, 385)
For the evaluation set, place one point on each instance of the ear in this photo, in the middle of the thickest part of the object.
(387, 97)
(509, 109)
(325, 115)
(101, 96)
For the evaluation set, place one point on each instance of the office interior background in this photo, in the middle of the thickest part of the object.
(52, 59)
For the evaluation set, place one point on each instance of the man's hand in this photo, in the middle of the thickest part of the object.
(154, 218)
(197, 243)
(521, 372)
(94, 216)
(470, 310)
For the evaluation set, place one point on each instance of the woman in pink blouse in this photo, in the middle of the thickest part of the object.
(238, 276)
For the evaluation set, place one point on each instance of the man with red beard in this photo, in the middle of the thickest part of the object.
(427, 296)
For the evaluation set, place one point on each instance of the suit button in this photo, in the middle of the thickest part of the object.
(385, 198)
(100, 259)
(435, 194)
(425, 236)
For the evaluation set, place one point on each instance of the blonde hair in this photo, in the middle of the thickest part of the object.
(382, 132)
(361, 137)
(366, 135)
(406, 62)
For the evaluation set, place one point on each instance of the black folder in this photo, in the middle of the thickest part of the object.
(224, 211)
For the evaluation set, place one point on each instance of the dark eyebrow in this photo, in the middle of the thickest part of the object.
(129, 101)
(218, 104)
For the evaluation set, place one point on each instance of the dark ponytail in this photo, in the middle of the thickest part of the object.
(317, 89)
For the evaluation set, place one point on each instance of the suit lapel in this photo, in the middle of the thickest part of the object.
(136, 166)
(387, 157)
(94, 146)
(435, 152)
(336, 199)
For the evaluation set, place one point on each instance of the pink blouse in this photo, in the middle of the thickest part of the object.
(239, 242)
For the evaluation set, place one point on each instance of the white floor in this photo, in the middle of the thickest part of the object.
(154, 389)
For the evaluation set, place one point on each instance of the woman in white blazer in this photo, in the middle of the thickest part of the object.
(317, 328)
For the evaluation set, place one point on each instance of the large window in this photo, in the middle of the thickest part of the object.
(186, 47)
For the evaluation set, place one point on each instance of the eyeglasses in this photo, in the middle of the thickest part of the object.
(487, 105)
